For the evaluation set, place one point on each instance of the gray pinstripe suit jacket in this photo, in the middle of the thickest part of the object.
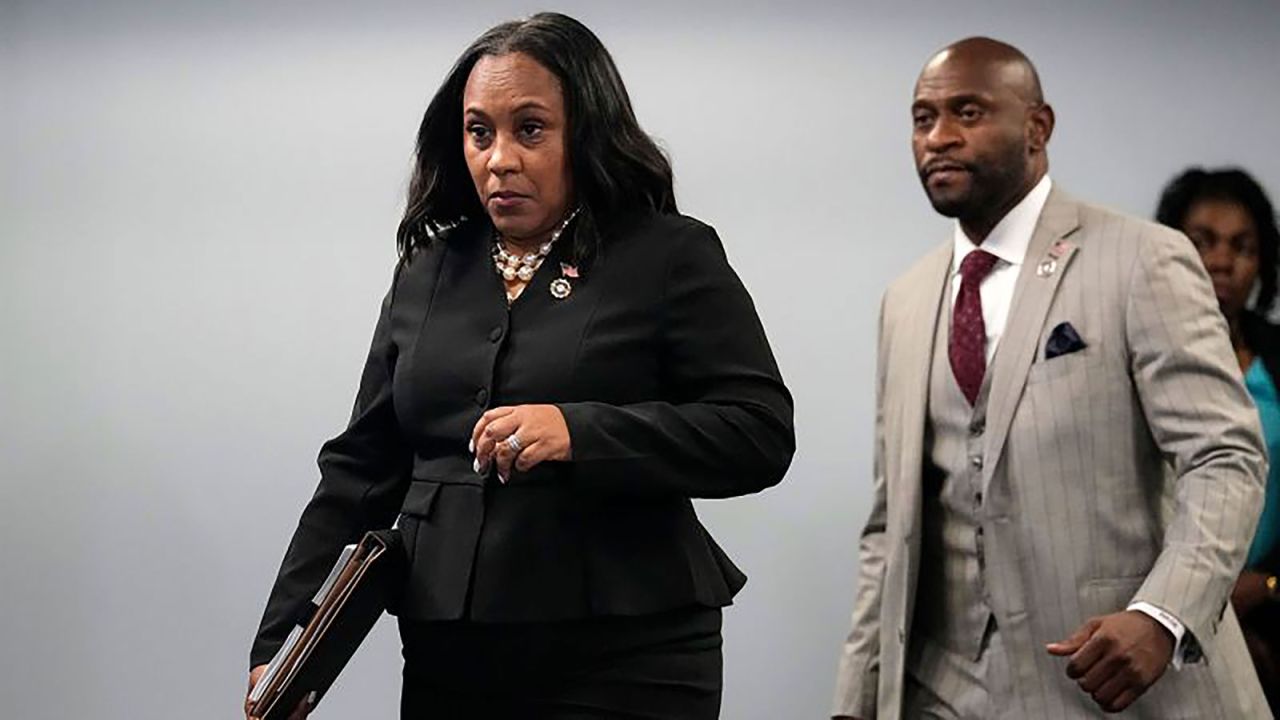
(1130, 470)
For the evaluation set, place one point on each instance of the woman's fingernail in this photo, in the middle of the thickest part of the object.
(475, 465)
(471, 446)
(502, 479)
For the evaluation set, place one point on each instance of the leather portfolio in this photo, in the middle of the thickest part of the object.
(342, 612)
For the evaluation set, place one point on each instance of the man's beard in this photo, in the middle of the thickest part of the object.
(990, 185)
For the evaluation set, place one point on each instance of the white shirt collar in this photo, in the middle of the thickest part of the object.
(1009, 239)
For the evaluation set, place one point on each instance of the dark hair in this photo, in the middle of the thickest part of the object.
(1229, 185)
(617, 168)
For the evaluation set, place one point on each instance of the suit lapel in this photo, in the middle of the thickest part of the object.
(1048, 257)
(916, 338)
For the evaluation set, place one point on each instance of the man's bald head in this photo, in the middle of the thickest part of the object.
(980, 127)
(1002, 63)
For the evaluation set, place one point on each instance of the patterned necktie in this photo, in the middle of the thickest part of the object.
(968, 346)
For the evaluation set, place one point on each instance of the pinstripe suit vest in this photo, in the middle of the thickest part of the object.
(951, 603)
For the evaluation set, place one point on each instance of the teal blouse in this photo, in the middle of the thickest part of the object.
(1263, 389)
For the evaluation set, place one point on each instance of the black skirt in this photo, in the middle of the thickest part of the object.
(666, 666)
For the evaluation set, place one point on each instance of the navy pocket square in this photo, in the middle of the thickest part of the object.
(1064, 340)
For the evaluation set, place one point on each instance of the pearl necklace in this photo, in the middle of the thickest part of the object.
(512, 266)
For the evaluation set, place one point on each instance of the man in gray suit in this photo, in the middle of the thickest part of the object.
(1068, 470)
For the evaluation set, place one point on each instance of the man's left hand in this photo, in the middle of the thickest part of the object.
(1116, 657)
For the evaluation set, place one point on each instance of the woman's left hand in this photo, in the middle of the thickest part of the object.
(540, 435)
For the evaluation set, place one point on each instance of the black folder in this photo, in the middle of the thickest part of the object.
(359, 588)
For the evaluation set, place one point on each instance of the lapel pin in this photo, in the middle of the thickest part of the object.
(560, 288)
(1057, 251)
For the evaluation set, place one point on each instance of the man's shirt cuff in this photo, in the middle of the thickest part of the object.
(1170, 623)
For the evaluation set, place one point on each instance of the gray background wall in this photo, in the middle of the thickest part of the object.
(197, 207)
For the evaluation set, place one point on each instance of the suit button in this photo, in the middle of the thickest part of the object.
(482, 397)
(976, 462)
(902, 636)
(495, 334)
(977, 428)
(977, 499)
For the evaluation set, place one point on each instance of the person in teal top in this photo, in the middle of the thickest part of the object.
(1227, 215)
(1262, 388)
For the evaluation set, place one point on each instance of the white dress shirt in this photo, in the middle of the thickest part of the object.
(1008, 241)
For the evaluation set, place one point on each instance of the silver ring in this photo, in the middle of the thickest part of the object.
(513, 443)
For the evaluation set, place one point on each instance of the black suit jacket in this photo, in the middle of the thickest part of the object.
(670, 391)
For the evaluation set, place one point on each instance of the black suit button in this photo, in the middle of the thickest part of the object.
(482, 397)
(495, 334)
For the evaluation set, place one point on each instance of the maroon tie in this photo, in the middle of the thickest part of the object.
(968, 348)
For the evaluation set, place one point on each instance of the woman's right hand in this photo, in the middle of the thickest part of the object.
(299, 713)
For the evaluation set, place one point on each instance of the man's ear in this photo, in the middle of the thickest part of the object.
(1040, 121)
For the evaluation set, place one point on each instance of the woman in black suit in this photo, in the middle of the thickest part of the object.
(561, 363)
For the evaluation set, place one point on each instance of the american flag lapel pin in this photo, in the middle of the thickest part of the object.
(1060, 248)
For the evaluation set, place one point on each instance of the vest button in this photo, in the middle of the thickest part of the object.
(976, 462)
